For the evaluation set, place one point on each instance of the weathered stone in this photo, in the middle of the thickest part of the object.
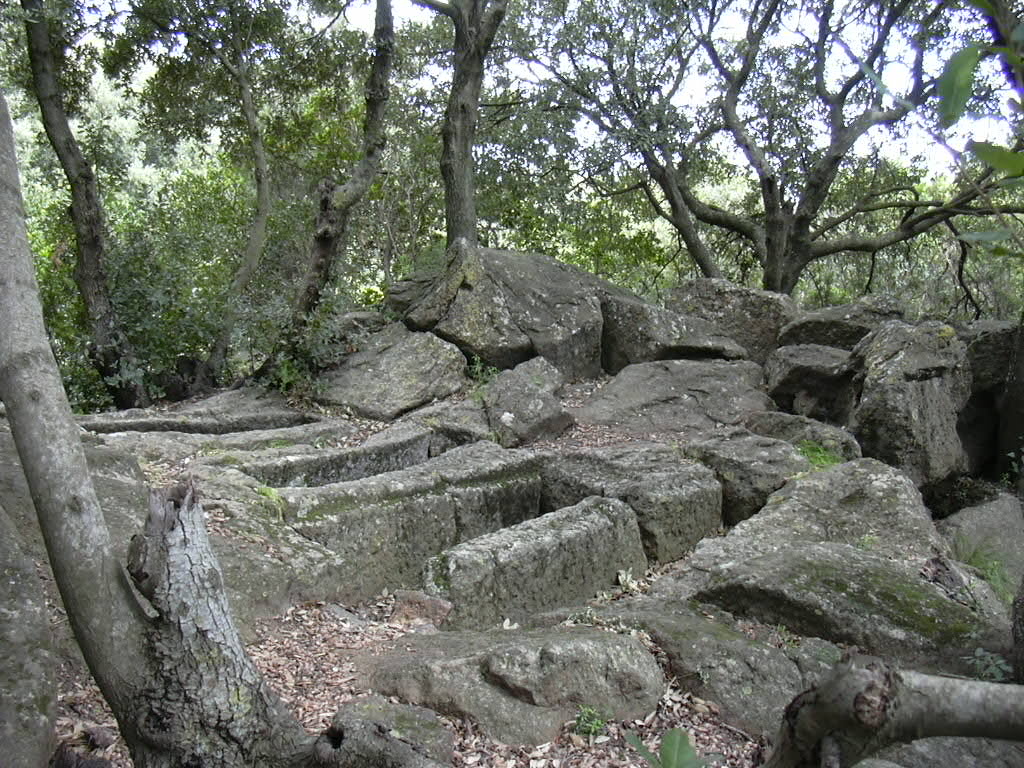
(521, 686)
(395, 371)
(946, 751)
(385, 527)
(415, 608)
(749, 468)
(521, 405)
(914, 380)
(850, 595)
(558, 558)
(811, 380)
(990, 346)
(415, 725)
(638, 332)
(674, 396)
(394, 448)
(28, 694)
(676, 500)
(992, 532)
(506, 307)
(236, 410)
(841, 326)
(800, 430)
(753, 318)
(452, 423)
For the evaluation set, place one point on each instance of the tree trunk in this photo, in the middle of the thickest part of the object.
(336, 203)
(257, 227)
(163, 650)
(111, 353)
(1018, 635)
(866, 705)
(476, 23)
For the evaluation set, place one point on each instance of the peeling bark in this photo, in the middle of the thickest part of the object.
(866, 705)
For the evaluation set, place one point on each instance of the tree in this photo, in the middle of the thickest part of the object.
(476, 23)
(158, 638)
(777, 94)
(111, 352)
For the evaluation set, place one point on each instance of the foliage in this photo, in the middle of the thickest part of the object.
(819, 456)
(676, 751)
(988, 564)
(989, 666)
(589, 722)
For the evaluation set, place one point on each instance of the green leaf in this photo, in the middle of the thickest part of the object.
(1001, 159)
(638, 745)
(677, 752)
(986, 236)
(956, 84)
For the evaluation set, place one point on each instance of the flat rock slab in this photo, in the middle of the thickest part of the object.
(798, 430)
(386, 526)
(521, 686)
(678, 396)
(811, 380)
(848, 595)
(556, 559)
(521, 404)
(237, 410)
(395, 372)
(638, 332)
(415, 725)
(676, 500)
(749, 467)
(841, 326)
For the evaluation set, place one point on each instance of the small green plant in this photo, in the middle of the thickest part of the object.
(988, 564)
(589, 722)
(480, 372)
(989, 666)
(277, 503)
(280, 443)
(868, 542)
(819, 456)
(676, 751)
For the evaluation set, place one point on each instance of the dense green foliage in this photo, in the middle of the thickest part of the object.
(568, 113)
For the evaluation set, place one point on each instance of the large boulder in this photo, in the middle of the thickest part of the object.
(843, 325)
(562, 557)
(506, 307)
(802, 431)
(990, 536)
(676, 500)
(913, 381)
(811, 380)
(678, 396)
(394, 372)
(753, 318)
(521, 686)
(748, 466)
(521, 404)
(638, 332)
(990, 348)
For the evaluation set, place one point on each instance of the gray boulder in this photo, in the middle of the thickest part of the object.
(841, 326)
(914, 381)
(394, 372)
(989, 350)
(452, 423)
(748, 466)
(638, 332)
(992, 534)
(676, 500)
(506, 307)
(946, 751)
(28, 693)
(521, 405)
(811, 380)
(801, 430)
(558, 558)
(676, 396)
(521, 686)
(414, 725)
(753, 318)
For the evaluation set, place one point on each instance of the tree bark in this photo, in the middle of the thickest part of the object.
(161, 643)
(476, 23)
(337, 202)
(111, 352)
(866, 705)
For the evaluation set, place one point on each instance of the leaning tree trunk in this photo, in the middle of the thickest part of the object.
(160, 643)
(337, 202)
(111, 353)
(865, 705)
(476, 23)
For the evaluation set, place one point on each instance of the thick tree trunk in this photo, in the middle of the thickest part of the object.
(866, 705)
(476, 23)
(336, 203)
(111, 352)
(163, 650)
